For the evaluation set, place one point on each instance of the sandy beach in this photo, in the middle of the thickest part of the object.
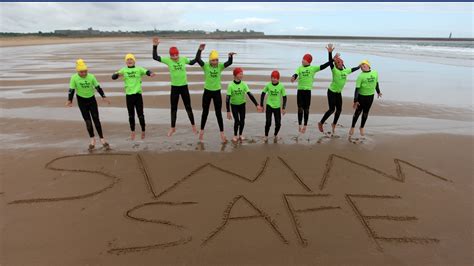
(402, 195)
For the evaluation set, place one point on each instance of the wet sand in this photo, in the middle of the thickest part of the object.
(400, 195)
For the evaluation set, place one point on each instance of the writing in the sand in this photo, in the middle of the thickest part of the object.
(295, 204)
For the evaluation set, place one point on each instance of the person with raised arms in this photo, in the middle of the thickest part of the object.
(84, 85)
(179, 83)
(132, 79)
(212, 88)
(367, 84)
(334, 93)
(305, 75)
(235, 100)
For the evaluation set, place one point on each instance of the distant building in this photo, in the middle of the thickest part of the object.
(89, 31)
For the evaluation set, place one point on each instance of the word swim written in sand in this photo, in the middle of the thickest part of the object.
(228, 218)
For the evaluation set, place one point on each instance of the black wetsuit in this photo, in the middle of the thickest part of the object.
(238, 112)
(89, 111)
(212, 95)
(176, 91)
(134, 102)
(269, 111)
(365, 102)
(303, 100)
(334, 98)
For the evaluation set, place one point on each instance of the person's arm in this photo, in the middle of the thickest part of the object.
(100, 91)
(227, 103)
(70, 95)
(354, 69)
(377, 88)
(229, 60)
(284, 102)
(155, 53)
(115, 75)
(323, 66)
(262, 98)
(295, 76)
(356, 95)
(198, 58)
(331, 60)
(252, 98)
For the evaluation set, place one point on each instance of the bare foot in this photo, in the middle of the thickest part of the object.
(201, 135)
(195, 131)
(91, 147)
(276, 139)
(92, 142)
(223, 138)
(362, 131)
(299, 128)
(132, 135)
(320, 127)
(104, 143)
(241, 137)
(143, 135)
(171, 131)
(265, 139)
(351, 132)
(235, 139)
(333, 128)
(303, 129)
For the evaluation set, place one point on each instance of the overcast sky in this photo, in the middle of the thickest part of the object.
(360, 19)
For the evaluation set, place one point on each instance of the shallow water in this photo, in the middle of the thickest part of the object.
(377, 127)
(414, 72)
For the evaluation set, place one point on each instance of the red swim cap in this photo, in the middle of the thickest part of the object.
(308, 58)
(238, 70)
(275, 74)
(174, 51)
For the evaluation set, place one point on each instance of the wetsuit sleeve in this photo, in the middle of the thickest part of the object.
(227, 103)
(229, 61)
(331, 60)
(356, 95)
(100, 91)
(198, 58)
(115, 76)
(155, 53)
(252, 98)
(192, 62)
(70, 95)
(354, 69)
(323, 66)
(377, 88)
(284, 102)
(262, 98)
(148, 72)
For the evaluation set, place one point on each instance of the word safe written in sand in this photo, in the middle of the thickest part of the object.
(278, 202)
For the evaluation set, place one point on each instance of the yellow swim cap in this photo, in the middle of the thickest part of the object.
(130, 56)
(81, 65)
(213, 55)
(365, 62)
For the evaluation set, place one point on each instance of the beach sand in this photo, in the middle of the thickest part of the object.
(401, 195)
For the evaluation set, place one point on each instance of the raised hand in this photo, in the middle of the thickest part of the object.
(156, 41)
(330, 47)
(202, 46)
(232, 54)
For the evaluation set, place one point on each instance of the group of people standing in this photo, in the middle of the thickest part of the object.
(85, 84)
